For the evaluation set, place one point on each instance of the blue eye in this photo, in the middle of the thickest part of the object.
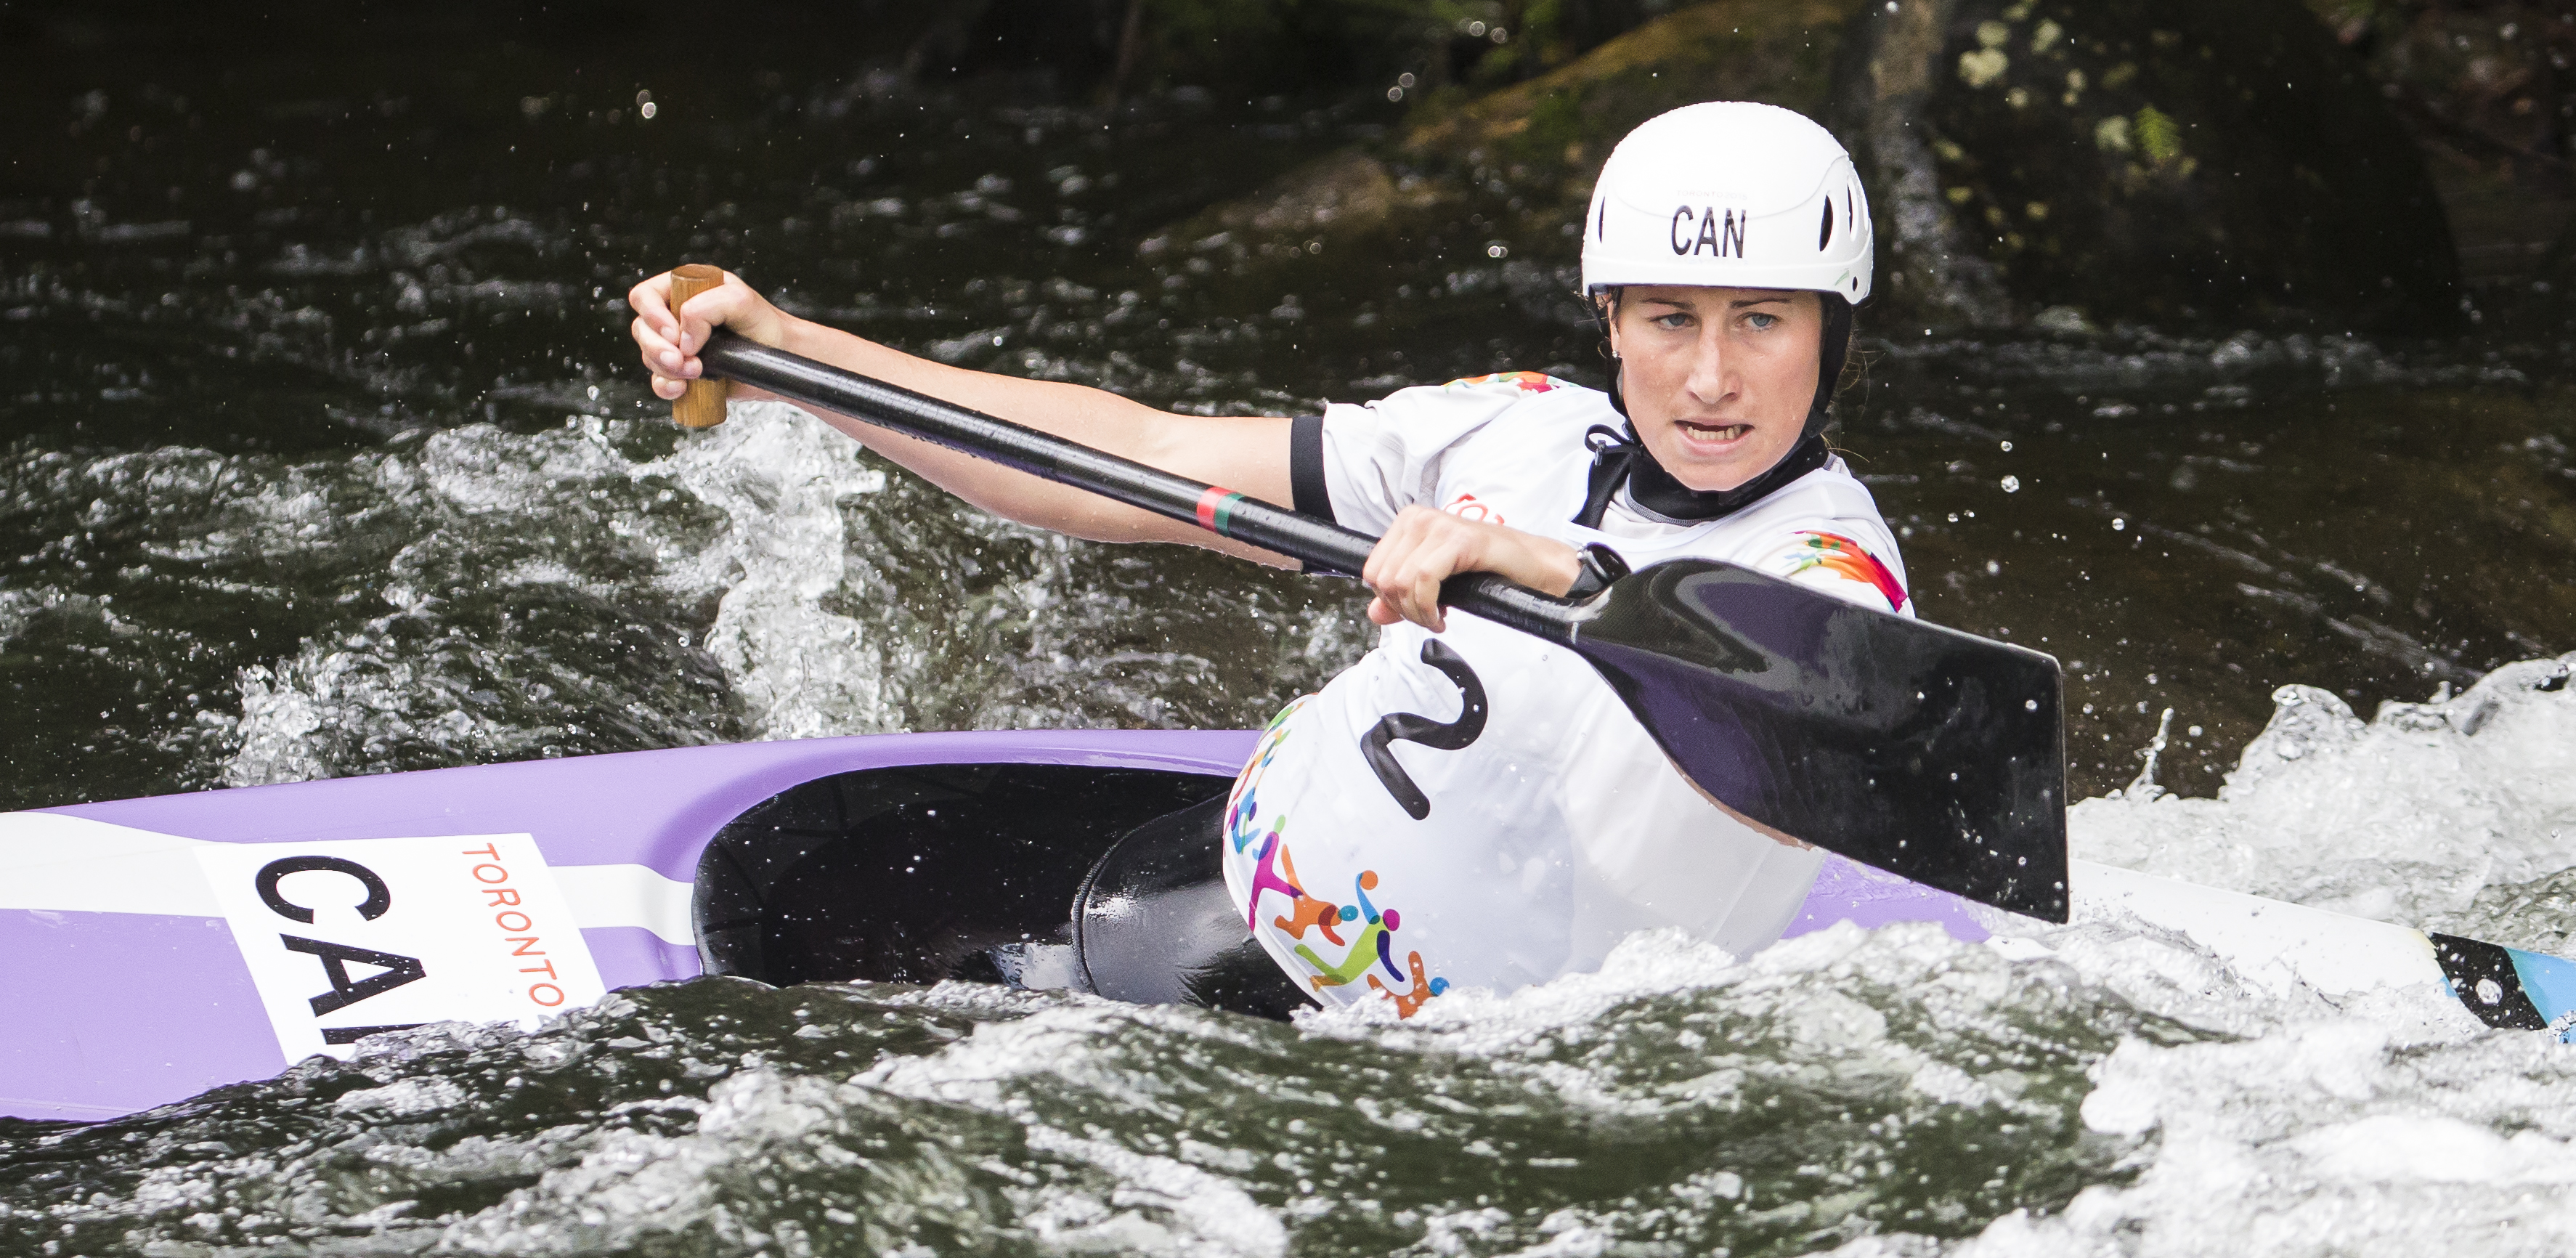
(1760, 320)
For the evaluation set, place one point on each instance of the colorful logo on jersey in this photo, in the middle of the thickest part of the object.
(1243, 804)
(1844, 558)
(1525, 381)
(1313, 921)
(1369, 950)
(1471, 507)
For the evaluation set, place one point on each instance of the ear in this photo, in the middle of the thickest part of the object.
(1607, 304)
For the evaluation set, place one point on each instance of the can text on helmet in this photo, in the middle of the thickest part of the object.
(1721, 231)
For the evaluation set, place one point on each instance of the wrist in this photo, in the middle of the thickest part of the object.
(1554, 566)
(1596, 567)
(796, 336)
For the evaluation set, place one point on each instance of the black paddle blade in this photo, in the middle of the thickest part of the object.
(1933, 754)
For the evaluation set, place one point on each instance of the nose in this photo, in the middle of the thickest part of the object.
(1712, 379)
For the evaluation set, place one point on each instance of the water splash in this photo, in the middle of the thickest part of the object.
(781, 477)
(2406, 818)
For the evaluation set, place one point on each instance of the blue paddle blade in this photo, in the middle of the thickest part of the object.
(1933, 754)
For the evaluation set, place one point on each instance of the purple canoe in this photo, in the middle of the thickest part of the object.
(158, 947)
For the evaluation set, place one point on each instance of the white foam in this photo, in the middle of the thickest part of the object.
(779, 475)
(2326, 1138)
(2404, 819)
(2371, 1123)
(409, 685)
(834, 610)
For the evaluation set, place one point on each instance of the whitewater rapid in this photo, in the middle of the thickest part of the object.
(1849, 1092)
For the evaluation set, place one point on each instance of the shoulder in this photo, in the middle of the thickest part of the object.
(1508, 384)
(1428, 418)
(1483, 398)
(1494, 435)
(1825, 530)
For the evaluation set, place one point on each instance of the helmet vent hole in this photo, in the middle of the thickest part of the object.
(1825, 234)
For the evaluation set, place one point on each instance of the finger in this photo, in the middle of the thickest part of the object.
(660, 355)
(1446, 558)
(1425, 597)
(1383, 556)
(1403, 591)
(1403, 534)
(1398, 579)
(668, 389)
(1380, 613)
(712, 309)
(651, 299)
(650, 295)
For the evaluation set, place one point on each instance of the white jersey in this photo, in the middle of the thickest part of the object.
(1477, 807)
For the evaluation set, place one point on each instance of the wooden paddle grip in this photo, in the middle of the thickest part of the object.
(703, 405)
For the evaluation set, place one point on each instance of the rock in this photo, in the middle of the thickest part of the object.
(1537, 145)
(2481, 85)
(1342, 194)
(2180, 162)
(1555, 131)
(2054, 164)
(2543, 302)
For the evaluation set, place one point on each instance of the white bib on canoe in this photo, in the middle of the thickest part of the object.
(1477, 808)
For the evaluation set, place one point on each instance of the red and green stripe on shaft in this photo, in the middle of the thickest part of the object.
(1216, 509)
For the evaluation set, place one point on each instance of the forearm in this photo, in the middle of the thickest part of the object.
(1091, 417)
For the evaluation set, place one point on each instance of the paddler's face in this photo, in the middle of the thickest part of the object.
(1717, 380)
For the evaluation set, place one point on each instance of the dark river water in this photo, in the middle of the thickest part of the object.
(322, 452)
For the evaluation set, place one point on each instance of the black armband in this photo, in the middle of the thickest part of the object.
(1596, 566)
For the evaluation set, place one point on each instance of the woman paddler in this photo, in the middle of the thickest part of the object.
(1469, 806)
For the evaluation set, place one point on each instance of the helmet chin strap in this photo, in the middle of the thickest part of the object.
(1619, 456)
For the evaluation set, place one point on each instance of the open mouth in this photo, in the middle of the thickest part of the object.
(1714, 434)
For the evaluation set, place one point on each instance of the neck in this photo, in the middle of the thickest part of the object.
(1657, 491)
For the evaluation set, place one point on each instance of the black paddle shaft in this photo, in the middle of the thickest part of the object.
(1320, 543)
(1933, 754)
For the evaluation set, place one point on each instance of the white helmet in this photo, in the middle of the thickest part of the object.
(1729, 194)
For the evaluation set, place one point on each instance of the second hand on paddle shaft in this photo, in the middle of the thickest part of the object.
(1931, 753)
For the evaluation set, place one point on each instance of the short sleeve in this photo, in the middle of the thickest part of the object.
(1832, 558)
(1384, 456)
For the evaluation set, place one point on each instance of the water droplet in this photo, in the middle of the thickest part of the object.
(1498, 250)
(2012, 484)
(647, 109)
(1395, 93)
(2194, 731)
(2007, 447)
(2119, 525)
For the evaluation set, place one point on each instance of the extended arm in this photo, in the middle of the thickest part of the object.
(1248, 454)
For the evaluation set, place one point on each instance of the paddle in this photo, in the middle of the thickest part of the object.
(1930, 753)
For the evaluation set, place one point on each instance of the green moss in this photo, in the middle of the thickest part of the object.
(1555, 122)
(2158, 135)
